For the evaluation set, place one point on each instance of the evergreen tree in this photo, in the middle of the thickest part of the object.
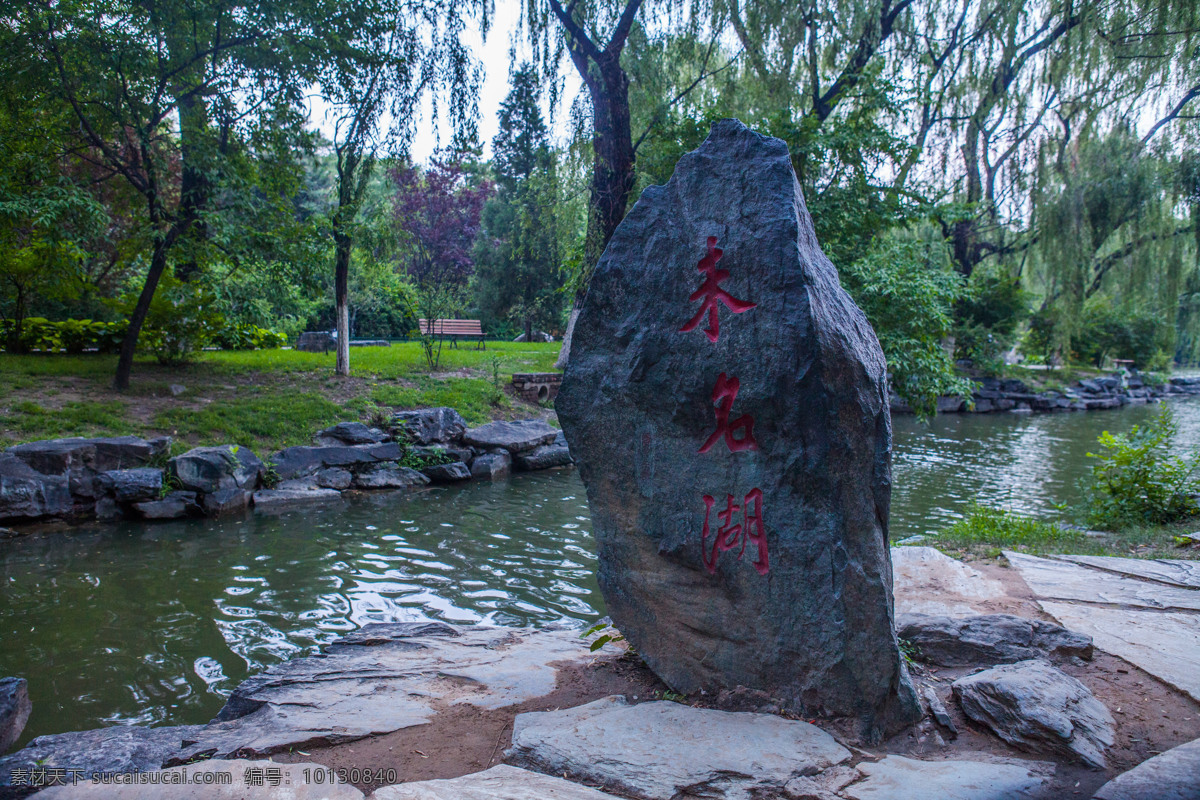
(517, 268)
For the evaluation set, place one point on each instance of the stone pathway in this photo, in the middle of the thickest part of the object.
(498, 783)
(928, 582)
(899, 778)
(1146, 612)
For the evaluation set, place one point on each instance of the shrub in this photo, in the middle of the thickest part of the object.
(1137, 480)
(72, 335)
(247, 336)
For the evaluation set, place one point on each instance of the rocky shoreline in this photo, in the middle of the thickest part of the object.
(1090, 394)
(130, 478)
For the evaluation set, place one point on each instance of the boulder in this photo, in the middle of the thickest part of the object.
(938, 711)
(727, 406)
(116, 749)
(225, 501)
(900, 778)
(174, 505)
(272, 499)
(1035, 707)
(544, 457)
(58, 456)
(210, 469)
(988, 639)
(389, 476)
(515, 437)
(298, 462)
(447, 473)
(27, 494)
(14, 710)
(491, 466)
(131, 485)
(1173, 775)
(350, 433)
(429, 425)
(501, 782)
(219, 779)
(663, 750)
(334, 478)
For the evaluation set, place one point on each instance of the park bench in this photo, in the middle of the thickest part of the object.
(453, 329)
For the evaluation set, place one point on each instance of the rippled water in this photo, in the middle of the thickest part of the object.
(155, 623)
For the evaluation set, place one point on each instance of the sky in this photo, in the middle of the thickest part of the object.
(496, 54)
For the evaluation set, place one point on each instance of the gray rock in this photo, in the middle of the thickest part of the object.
(447, 473)
(1035, 707)
(1173, 572)
(307, 483)
(131, 485)
(334, 478)
(225, 501)
(174, 505)
(899, 778)
(544, 457)
(662, 750)
(450, 451)
(938, 711)
(1061, 580)
(389, 476)
(107, 510)
(825, 785)
(383, 678)
(14, 710)
(27, 494)
(59, 456)
(515, 437)
(298, 462)
(210, 469)
(230, 780)
(988, 639)
(773, 427)
(316, 342)
(498, 783)
(491, 466)
(929, 582)
(350, 433)
(429, 425)
(120, 748)
(1173, 775)
(271, 499)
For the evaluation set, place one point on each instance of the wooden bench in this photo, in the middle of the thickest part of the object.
(453, 329)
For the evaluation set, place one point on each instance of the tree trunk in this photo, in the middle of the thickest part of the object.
(564, 354)
(158, 263)
(341, 289)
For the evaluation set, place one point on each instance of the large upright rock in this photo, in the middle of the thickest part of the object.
(726, 403)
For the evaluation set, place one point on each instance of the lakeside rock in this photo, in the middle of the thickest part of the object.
(1173, 775)
(429, 425)
(498, 783)
(15, 708)
(900, 778)
(350, 433)
(988, 639)
(492, 466)
(119, 749)
(209, 469)
(1035, 707)
(131, 485)
(515, 437)
(26, 494)
(302, 461)
(447, 473)
(662, 750)
(736, 445)
(60, 456)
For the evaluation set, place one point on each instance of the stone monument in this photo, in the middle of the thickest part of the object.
(726, 403)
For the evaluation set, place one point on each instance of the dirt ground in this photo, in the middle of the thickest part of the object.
(1151, 717)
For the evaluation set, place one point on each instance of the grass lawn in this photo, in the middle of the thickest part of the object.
(984, 532)
(263, 399)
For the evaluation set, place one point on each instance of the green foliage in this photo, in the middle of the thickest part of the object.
(986, 318)
(273, 420)
(31, 422)
(908, 296)
(997, 528)
(430, 458)
(475, 399)
(605, 633)
(1136, 479)
(246, 336)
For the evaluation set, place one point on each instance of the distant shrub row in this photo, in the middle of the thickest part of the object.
(84, 335)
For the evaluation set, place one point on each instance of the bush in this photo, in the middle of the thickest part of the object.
(71, 335)
(1137, 480)
(247, 336)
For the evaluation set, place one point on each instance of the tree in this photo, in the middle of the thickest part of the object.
(518, 263)
(439, 212)
(384, 56)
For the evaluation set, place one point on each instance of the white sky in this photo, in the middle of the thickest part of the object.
(503, 41)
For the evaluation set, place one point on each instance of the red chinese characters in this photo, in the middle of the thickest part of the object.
(711, 293)
(724, 393)
(735, 531)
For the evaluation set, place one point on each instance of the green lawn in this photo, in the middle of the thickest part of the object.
(264, 399)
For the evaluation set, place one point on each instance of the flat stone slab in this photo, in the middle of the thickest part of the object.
(272, 499)
(218, 780)
(1061, 580)
(117, 749)
(1185, 574)
(899, 778)
(662, 750)
(498, 783)
(382, 678)
(515, 437)
(1173, 775)
(1165, 644)
(988, 639)
(926, 581)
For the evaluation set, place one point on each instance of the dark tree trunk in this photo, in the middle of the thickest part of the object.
(158, 262)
